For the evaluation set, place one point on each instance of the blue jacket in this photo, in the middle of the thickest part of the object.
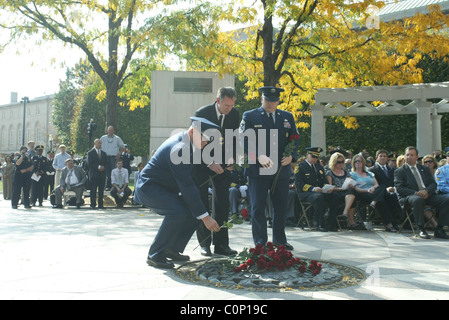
(170, 177)
(442, 178)
(257, 119)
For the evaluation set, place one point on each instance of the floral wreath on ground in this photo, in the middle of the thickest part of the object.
(271, 258)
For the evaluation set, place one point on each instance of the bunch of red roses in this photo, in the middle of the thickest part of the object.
(270, 257)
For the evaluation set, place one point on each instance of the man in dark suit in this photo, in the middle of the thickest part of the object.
(166, 186)
(416, 188)
(96, 161)
(309, 181)
(223, 114)
(384, 175)
(272, 130)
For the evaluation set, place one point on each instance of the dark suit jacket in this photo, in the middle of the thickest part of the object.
(93, 161)
(406, 184)
(231, 121)
(78, 171)
(381, 178)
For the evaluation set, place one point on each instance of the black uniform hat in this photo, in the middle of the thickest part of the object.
(202, 124)
(446, 152)
(315, 151)
(39, 148)
(340, 150)
(271, 93)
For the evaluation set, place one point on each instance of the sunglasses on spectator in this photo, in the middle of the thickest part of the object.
(340, 162)
(358, 161)
(428, 161)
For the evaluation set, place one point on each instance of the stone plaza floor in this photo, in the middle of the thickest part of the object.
(70, 254)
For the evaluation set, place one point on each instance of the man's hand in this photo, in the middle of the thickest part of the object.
(286, 161)
(423, 194)
(265, 161)
(211, 224)
(216, 168)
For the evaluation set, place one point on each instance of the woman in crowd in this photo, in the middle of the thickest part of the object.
(8, 172)
(431, 162)
(336, 175)
(367, 190)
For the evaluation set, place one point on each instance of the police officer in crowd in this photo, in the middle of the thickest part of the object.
(273, 129)
(442, 175)
(310, 179)
(50, 175)
(40, 166)
(22, 179)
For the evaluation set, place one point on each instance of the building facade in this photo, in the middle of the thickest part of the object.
(37, 121)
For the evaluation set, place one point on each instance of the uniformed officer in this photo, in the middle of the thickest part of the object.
(166, 186)
(442, 175)
(310, 180)
(22, 179)
(40, 167)
(273, 130)
(50, 174)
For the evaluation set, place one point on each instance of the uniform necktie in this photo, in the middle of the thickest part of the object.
(271, 116)
(417, 178)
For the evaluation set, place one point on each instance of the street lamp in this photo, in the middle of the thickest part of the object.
(24, 100)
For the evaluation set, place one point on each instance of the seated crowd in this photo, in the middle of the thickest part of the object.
(386, 186)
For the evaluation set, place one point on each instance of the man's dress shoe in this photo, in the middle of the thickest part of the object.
(224, 250)
(160, 263)
(176, 256)
(205, 251)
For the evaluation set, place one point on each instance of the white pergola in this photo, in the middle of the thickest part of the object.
(380, 100)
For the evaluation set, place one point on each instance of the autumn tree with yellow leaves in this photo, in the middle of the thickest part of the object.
(310, 44)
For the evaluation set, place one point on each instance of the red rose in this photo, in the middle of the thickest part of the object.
(245, 213)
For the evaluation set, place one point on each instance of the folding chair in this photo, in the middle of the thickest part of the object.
(408, 218)
(305, 208)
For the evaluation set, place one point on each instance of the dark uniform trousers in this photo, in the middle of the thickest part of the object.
(220, 210)
(259, 189)
(319, 202)
(21, 182)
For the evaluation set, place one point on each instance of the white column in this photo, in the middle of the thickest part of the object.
(423, 128)
(436, 132)
(318, 128)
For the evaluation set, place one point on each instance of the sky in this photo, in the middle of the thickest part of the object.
(34, 71)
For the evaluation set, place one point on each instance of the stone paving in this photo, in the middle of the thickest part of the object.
(70, 254)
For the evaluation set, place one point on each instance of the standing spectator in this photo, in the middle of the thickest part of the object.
(73, 179)
(8, 172)
(22, 179)
(140, 166)
(96, 160)
(50, 174)
(120, 180)
(40, 164)
(31, 152)
(59, 163)
(127, 158)
(113, 146)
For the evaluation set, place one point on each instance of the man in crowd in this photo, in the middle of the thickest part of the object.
(223, 114)
(59, 162)
(113, 146)
(265, 158)
(97, 161)
(166, 186)
(40, 166)
(49, 174)
(120, 180)
(73, 179)
(22, 179)
(384, 175)
(416, 188)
